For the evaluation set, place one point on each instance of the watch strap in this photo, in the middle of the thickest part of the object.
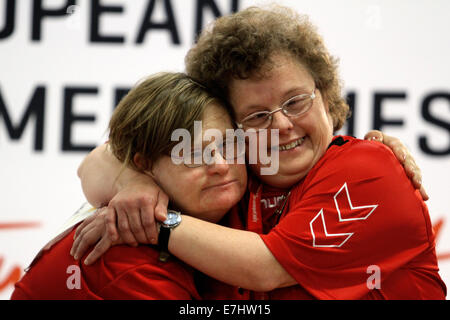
(163, 243)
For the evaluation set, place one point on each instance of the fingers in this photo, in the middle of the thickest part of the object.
(161, 207)
(85, 222)
(136, 218)
(423, 193)
(159, 213)
(414, 173)
(136, 227)
(149, 224)
(398, 148)
(124, 227)
(102, 227)
(89, 236)
(150, 213)
(111, 229)
(403, 155)
(137, 208)
(374, 135)
(102, 246)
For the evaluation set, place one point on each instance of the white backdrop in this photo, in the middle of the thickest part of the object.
(67, 74)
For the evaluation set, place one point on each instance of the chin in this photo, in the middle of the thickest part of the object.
(213, 215)
(219, 206)
(285, 178)
(225, 202)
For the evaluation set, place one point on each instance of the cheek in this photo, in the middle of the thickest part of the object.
(319, 124)
(185, 194)
(181, 185)
(188, 185)
(240, 173)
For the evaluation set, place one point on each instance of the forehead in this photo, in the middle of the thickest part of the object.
(284, 76)
(215, 116)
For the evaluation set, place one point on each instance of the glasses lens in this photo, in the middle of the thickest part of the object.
(297, 105)
(257, 120)
(233, 148)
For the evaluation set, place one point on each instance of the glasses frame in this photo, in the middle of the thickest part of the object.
(219, 149)
(269, 114)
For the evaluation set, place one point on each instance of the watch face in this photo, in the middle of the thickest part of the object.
(173, 218)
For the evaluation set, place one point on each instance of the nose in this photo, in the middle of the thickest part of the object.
(281, 121)
(219, 165)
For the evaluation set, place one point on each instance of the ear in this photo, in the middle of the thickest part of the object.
(141, 162)
(327, 110)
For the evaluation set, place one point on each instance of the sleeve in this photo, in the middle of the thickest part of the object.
(147, 282)
(356, 213)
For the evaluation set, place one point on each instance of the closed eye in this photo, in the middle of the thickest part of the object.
(257, 116)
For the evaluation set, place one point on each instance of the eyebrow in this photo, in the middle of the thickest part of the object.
(303, 88)
(207, 143)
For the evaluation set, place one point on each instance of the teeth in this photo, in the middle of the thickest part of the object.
(291, 145)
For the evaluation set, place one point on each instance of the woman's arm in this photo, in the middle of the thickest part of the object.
(235, 257)
(98, 173)
(134, 196)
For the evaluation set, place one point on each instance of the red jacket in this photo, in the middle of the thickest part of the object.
(356, 229)
(123, 273)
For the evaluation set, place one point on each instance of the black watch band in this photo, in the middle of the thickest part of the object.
(163, 243)
(172, 221)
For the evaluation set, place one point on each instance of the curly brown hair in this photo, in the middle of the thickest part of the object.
(240, 46)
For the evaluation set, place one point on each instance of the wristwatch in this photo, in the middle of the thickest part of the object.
(172, 221)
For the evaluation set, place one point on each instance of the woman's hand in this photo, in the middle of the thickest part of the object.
(403, 155)
(92, 230)
(138, 205)
(130, 218)
(133, 196)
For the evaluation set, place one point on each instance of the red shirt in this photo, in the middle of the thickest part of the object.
(123, 272)
(212, 289)
(356, 229)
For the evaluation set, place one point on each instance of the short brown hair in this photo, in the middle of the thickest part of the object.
(238, 46)
(145, 118)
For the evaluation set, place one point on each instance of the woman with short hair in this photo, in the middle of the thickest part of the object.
(141, 128)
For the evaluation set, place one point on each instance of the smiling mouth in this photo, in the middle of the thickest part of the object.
(292, 145)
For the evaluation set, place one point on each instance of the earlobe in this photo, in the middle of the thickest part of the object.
(141, 162)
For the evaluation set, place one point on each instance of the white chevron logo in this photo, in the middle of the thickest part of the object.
(355, 215)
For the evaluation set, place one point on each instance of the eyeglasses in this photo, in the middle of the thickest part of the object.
(228, 150)
(294, 107)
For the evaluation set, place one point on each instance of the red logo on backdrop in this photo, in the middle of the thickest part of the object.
(437, 227)
(13, 275)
